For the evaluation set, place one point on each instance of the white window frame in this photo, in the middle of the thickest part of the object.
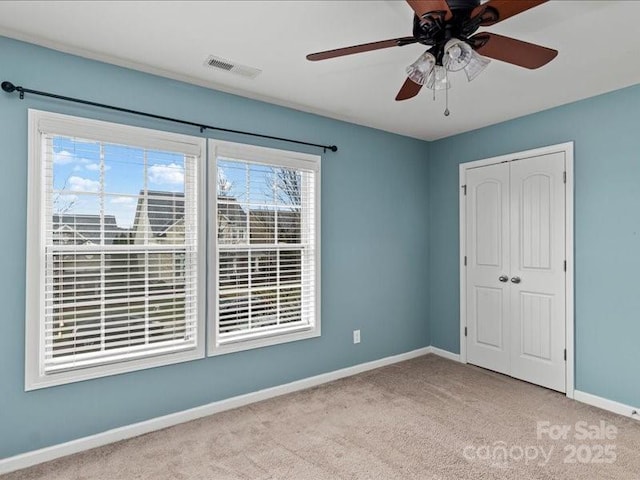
(41, 123)
(267, 156)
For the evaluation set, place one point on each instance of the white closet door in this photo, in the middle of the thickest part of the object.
(537, 277)
(515, 287)
(488, 289)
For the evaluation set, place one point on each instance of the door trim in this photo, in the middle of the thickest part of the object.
(567, 149)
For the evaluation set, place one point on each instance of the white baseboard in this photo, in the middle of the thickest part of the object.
(34, 457)
(606, 404)
(445, 354)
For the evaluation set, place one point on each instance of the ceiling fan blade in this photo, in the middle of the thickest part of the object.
(365, 47)
(510, 50)
(409, 90)
(495, 11)
(425, 6)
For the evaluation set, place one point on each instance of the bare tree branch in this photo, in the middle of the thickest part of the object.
(61, 204)
(287, 186)
(224, 184)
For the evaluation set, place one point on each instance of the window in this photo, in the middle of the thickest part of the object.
(114, 249)
(264, 257)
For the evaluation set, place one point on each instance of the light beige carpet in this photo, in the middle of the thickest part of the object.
(427, 418)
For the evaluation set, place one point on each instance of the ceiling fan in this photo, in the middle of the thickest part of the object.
(447, 28)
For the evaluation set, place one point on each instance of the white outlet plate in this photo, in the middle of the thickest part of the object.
(356, 336)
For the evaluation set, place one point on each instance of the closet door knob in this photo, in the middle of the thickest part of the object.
(503, 278)
(515, 280)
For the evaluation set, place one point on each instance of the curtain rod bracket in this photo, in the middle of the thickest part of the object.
(10, 88)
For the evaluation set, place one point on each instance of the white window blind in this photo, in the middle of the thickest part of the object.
(119, 239)
(266, 247)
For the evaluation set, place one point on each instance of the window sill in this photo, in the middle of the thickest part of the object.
(239, 344)
(35, 381)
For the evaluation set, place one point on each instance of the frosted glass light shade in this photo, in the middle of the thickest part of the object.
(438, 79)
(457, 55)
(420, 70)
(475, 67)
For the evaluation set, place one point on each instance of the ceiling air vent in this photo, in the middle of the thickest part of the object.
(232, 67)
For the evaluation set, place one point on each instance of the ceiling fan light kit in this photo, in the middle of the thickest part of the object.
(457, 55)
(448, 29)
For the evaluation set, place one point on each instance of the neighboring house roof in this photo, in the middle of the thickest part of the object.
(87, 228)
(165, 209)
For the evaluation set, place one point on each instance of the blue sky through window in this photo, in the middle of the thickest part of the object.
(82, 181)
(79, 177)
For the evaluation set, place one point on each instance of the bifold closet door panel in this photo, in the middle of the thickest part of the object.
(537, 276)
(487, 249)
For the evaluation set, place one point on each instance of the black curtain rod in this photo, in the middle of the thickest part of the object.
(10, 88)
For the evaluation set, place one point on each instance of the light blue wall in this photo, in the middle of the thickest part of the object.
(606, 131)
(374, 250)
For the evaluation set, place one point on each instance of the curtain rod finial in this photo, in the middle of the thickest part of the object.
(8, 87)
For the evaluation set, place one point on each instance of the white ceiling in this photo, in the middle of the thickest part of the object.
(596, 39)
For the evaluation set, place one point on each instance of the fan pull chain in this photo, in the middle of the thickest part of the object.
(446, 93)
